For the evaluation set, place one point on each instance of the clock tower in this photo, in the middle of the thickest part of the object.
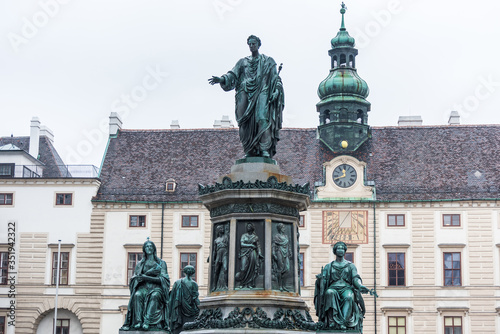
(343, 109)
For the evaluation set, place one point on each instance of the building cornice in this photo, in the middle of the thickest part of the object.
(50, 182)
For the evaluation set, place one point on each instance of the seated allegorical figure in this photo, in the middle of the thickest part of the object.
(184, 300)
(337, 296)
(149, 292)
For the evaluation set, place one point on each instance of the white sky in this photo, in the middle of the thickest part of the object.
(419, 57)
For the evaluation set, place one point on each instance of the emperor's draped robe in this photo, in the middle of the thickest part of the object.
(335, 290)
(149, 301)
(259, 120)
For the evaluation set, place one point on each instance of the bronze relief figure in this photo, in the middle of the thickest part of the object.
(220, 257)
(250, 258)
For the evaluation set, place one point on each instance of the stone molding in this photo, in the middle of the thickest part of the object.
(358, 190)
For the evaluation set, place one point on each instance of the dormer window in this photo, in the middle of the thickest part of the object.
(7, 170)
(170, 185)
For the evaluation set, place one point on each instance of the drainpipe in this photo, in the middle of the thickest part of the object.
(162, 219)
(57, 284)
(375, 264)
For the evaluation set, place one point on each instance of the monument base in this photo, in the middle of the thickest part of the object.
(245, 331)
(259, 206)
(353, 331)
(256, 168)
(264, 331)
(142, 332)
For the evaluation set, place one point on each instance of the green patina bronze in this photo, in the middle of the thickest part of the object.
(184, 300)
(249, 318)
(343, 108)
(259, 100)
(220, 258)
(271, 183)
(148, 308)
(281, 258)
(251, 259)
(337, 296)
(254, 208)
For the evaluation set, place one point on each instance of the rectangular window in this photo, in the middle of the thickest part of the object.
(63, 269)
(301, 268)
(188, 259)
(302, 221)
(7, 170)
(6, 199)
(64, 199)
(452, 325)
(62, 326)
(396, 265)
(137, 221)
(133, 259)
(4, 267)
(452, 269)
(2, 324)
(189, 221)
(397, 325)
(395, 220)
(349, 256)
(451, 220)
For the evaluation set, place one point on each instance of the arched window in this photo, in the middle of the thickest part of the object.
(334, 62)
(343, 60)
(351, 61)
(359, 117)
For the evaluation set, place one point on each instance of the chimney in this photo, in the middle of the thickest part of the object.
(454, 118)
(34, 137)
(115, 124)
(410, 120)
(45, 131)
(225, 122)
(175, 124)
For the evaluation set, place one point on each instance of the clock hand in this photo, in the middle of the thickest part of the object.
(343, 175)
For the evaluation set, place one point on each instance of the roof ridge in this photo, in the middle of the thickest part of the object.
(446, 126)
(203, 129)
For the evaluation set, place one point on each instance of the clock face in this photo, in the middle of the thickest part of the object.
(344, 175)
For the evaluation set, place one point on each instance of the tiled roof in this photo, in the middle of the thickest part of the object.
(406, 163)
(54, 165)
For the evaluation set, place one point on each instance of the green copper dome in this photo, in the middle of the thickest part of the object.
(343, 39)
(342, 82)
(343, 108)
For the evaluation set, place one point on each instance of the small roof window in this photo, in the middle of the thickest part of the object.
(170, 185)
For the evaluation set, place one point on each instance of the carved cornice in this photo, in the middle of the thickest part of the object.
(271, 183)
(249, 318)
(254, 208)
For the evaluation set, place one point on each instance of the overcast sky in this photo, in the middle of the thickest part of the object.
(72, 62)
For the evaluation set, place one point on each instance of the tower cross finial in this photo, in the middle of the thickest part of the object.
(342, 11)
(147, 239)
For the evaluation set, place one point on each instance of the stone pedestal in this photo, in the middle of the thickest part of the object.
(254, 213)
(142, 332)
